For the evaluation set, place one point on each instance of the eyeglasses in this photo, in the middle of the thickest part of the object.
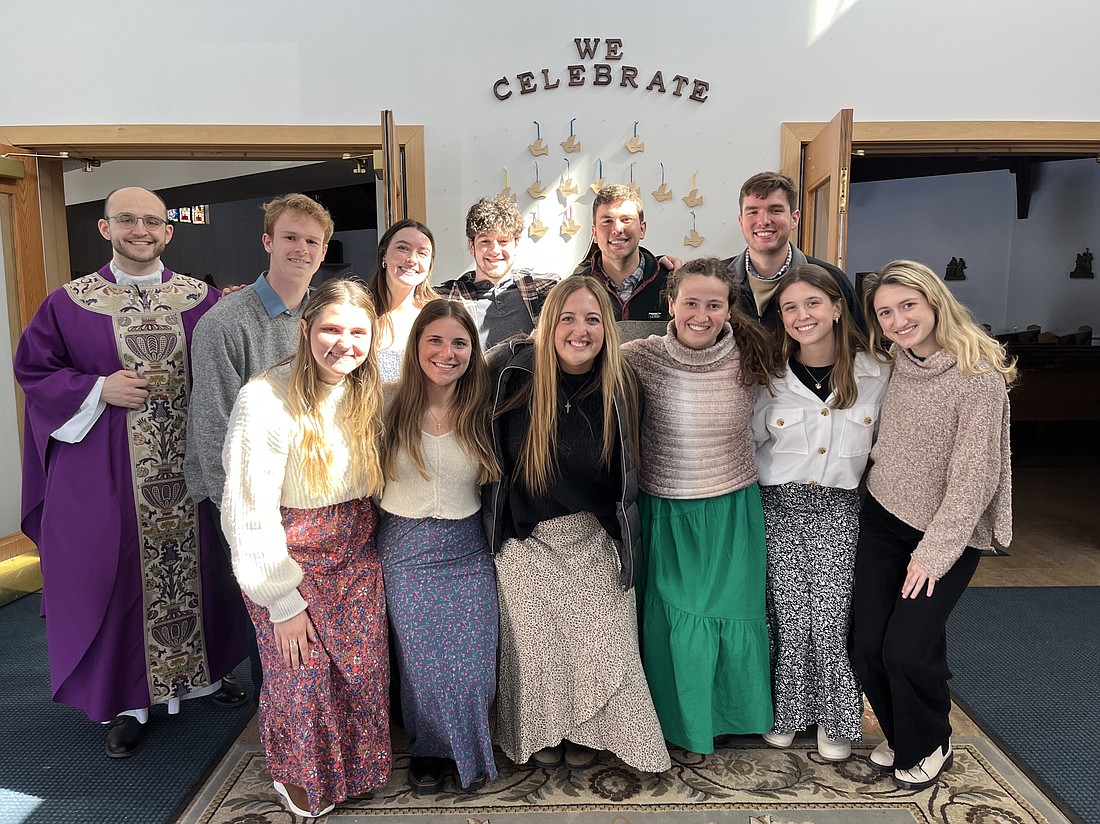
(128, 221)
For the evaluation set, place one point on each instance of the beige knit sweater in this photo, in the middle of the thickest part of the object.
(696, 437)
(450, 491)
(942, 462)
(262, 460)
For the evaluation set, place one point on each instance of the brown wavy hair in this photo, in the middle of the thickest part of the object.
(848, 338)
(380, 287)
(471, 412)
(759, 363)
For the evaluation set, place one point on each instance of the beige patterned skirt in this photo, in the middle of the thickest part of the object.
(569, 662)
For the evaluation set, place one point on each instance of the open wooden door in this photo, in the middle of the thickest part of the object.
(393, 175)
(22, 289)
(824, 186)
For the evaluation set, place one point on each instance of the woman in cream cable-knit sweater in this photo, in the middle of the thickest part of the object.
(704, 631)
(301, 464)
(440, 584)
(940, 489)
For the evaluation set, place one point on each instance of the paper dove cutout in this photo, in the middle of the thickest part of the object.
(693, 239)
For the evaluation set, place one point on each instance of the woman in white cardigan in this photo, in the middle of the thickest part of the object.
(301, 464)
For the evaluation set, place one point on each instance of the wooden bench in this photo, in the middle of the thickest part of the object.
(1057, 383)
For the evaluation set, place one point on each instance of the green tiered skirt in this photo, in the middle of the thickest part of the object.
(703, 621)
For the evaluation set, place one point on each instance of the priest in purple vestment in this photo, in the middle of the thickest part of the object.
(140, 603)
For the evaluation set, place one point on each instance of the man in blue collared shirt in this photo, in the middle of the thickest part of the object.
(246, 332)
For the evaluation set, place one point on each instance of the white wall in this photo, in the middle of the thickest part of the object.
(1065, 218)
(433, 62)
(1017, 270)
(84, 187)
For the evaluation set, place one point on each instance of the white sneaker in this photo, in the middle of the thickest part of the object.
(832, 749)
(882, 757)
(927, 771)
(780, 740)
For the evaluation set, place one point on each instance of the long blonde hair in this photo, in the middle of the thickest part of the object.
(956, 330)
(359, 411)
(846, 335)
(471, 409)
(538, 456)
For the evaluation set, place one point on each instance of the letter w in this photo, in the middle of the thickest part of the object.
(588, 50)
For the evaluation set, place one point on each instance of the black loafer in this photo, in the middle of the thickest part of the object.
(230, 693)
(426, 774)
(124, 735)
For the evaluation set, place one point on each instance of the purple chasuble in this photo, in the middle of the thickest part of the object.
(139, 598)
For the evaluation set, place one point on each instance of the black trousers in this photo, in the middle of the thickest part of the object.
(898, 645)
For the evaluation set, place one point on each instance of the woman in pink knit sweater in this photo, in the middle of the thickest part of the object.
(940, 489)
(702, 603)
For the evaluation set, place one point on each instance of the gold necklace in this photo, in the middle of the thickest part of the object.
(438, 422)
(818, 381)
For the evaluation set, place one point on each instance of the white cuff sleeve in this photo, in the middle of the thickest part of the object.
(82, 421)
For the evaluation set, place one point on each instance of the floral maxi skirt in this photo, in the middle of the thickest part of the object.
(325, 727)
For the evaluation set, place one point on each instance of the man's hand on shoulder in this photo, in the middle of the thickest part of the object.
(233, 287)
(125, 388)
(670, 262)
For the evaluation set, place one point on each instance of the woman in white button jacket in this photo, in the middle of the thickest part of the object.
(814, 433)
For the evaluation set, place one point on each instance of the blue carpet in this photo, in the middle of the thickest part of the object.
(52, 766)
(1026, 662)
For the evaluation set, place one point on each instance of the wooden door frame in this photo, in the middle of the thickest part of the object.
(946, 137)
(191, 142)
(26, 289)
(46, 267)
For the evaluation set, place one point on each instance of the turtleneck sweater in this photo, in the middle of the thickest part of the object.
(942, 462)
(696, 437)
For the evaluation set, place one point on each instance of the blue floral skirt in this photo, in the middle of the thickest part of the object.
(442, 596)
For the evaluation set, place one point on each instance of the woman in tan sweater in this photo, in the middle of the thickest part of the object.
(940, 489)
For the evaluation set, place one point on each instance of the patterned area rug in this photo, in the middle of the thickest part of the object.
(742, 781)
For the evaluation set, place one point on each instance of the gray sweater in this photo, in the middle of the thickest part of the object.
(233, 341)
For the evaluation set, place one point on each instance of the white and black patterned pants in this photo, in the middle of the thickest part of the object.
(811, 534)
